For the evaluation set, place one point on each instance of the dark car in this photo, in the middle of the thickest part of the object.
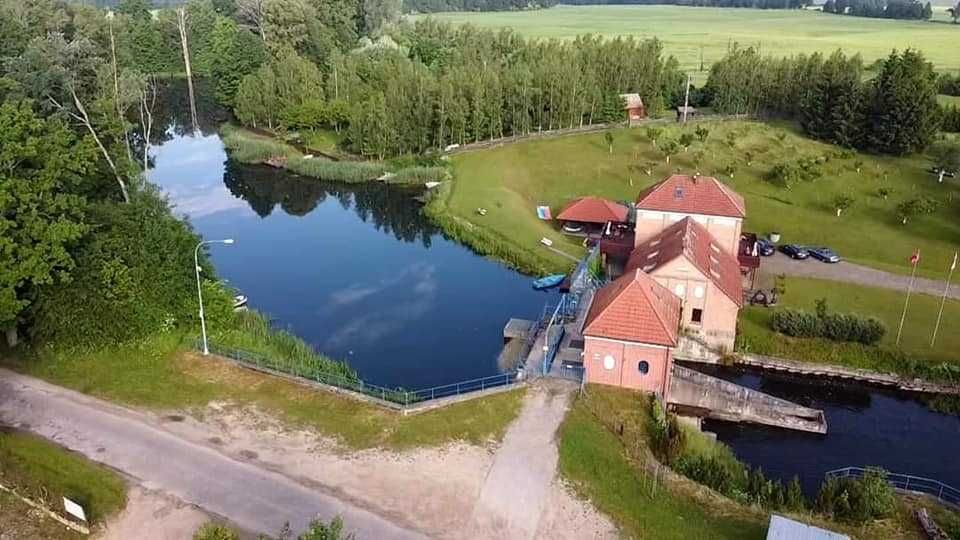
(794, 251)
(766, 247)
(824, 254)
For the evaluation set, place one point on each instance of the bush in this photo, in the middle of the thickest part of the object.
(667, 439)
(824, 324)
(857, 500)
(349, 172)
(215, 531)
(134, 277)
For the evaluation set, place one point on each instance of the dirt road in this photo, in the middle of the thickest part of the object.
(253, 498)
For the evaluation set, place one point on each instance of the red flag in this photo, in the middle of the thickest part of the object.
(915, 258)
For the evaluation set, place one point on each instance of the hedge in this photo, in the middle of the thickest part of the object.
(832, 326)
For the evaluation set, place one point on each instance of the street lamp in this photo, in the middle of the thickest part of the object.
(196, 266)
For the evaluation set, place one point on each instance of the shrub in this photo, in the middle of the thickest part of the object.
(787, 174)
(247, 147)
(666, 436)
(914, 207)
(349, 172)
(824, 324)
(215, 531)
(857, 500)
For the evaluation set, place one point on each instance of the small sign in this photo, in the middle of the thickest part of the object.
(74, 509)
(543, 212)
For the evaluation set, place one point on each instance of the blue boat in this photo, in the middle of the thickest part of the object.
(548, 282)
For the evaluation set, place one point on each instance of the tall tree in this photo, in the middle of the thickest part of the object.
(902, 112)
(42, 164)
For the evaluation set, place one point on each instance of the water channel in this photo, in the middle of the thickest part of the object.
(360, 274)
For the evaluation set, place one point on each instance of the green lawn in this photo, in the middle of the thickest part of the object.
(160, 373)
(42, 470)
(886, 305)
(686, 31)
(510, 181)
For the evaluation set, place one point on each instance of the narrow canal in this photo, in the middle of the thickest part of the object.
(362, 276)
(865, 426)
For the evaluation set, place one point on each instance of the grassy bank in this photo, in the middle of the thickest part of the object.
(689, 32)
(604, 453)
(248, 147)
(914, 357)
(511, 181)
(162, 373)
(42, 471)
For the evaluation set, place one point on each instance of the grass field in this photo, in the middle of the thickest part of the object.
(159, 373)
(510, 181)
(686, 31)
(41, 470)
(883, 304)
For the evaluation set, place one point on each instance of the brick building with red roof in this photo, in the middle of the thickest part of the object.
(629, 334)
(709, 201)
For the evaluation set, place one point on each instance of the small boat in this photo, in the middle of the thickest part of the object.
(239, 301)
(548, 282)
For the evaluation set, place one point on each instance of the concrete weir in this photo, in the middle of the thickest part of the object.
(695, 394)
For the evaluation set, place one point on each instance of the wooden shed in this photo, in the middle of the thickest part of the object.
(634, 107)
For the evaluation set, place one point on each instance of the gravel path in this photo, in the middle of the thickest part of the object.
(853, 273)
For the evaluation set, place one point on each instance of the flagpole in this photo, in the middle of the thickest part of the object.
(903, 317)
(943, 300)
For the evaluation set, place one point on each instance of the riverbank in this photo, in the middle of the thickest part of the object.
(605, 454)
(247, 146)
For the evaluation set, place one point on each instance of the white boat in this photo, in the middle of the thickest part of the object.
(239, 301)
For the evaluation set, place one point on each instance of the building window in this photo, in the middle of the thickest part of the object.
(644, 367)
(609, 362)
(698, 292)
(696, 316)
(680, 289)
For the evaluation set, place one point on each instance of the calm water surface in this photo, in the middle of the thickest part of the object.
(865, 426)
(353, 269)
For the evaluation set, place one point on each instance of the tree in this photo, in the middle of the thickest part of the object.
(669, 148)
(914, 207)
(234, 54)
(215, 531)
(902, 116)
(654, 133)
(954, 12)
(702, 133)
(42, 165)
(63, 75)
(842, 202)
(833, 108)
(685, 140)
(946, 158)
(377, 13)
(185, 48)
(608, 138)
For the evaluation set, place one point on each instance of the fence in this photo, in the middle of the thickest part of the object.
(906, 482)
(396, 397)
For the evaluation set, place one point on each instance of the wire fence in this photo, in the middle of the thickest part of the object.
(397, 397)
(917, 484)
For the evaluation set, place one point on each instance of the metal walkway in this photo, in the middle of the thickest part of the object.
(905, 482)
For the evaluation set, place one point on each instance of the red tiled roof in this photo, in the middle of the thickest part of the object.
(693, 195)
(594, 210)
(634, 308)
(691, 239)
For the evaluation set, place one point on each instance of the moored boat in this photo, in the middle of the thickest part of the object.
(548, 282)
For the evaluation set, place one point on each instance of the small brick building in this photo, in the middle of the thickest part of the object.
(629, 334)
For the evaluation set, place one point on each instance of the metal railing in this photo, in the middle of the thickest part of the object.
(395, 396)
(905, 482)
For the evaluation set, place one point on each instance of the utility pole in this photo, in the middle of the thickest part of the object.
(686, 100)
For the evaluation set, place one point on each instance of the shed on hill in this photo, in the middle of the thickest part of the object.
(633, 105)
(691, 113)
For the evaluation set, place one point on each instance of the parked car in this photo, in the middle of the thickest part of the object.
(765, 247)
(795, 251)
(572, 227)
(824, 254)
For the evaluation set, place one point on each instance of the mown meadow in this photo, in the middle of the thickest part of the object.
(688, 31)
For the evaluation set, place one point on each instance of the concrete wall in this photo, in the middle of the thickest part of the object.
(624, 369)
(725, 229)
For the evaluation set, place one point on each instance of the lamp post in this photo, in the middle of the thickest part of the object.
(196, 266)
